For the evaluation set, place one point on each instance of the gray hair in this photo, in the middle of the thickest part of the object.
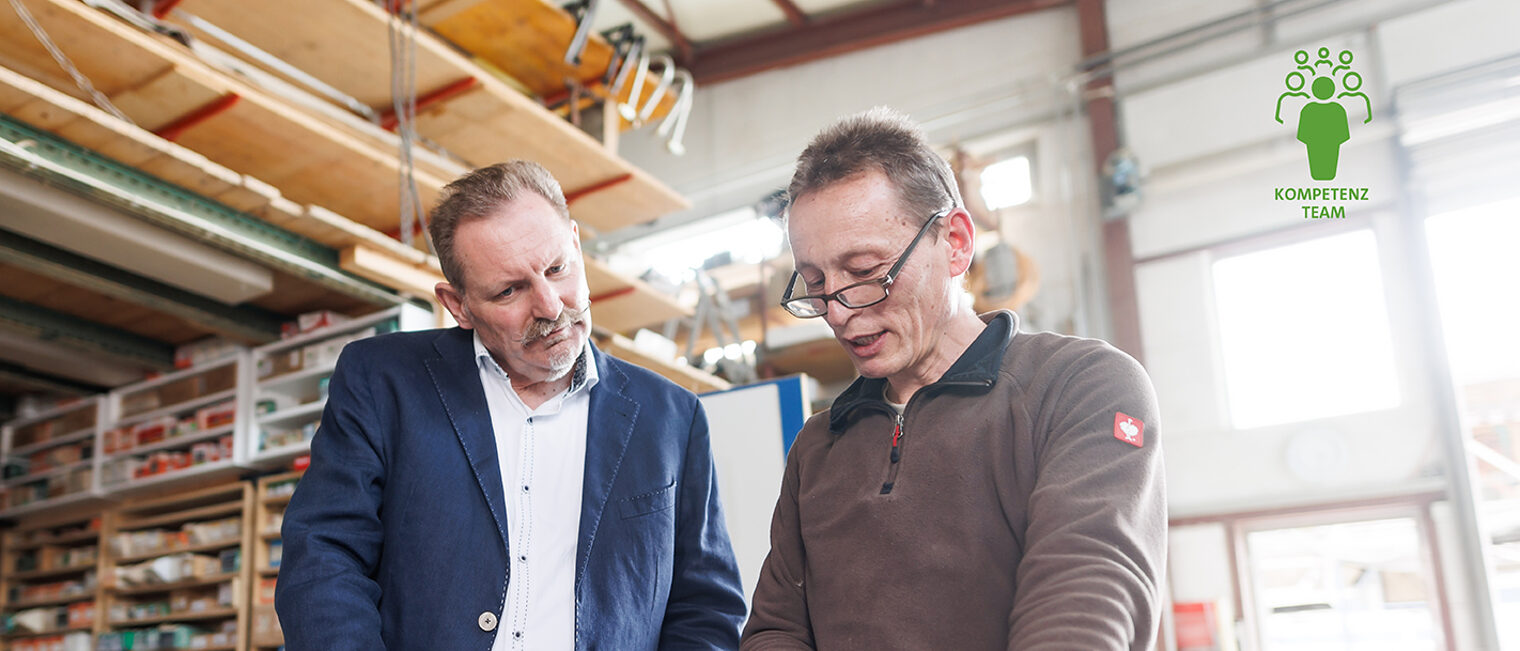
(885, 140)
(480, 193)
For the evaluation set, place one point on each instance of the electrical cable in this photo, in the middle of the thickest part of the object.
(64, 62)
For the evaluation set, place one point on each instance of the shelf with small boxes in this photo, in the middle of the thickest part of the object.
(289, 379)
(50, 457)
(50, 566)
(175, 576)
(271, 497)
(173, 427)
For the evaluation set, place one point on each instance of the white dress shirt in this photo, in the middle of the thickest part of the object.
(543, 460)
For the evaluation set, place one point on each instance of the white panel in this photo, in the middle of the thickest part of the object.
(816, 7)
(1448, 37)
(612, 14)
(1233, 196)
(706, 20)
(1178, 333)
(67, 221)
(745, 426)
(1200, 568)
(744, 135)
(1221, 110)
(1131, 22)
(1353, 456)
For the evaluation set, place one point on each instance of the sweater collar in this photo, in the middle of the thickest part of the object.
(978, 366)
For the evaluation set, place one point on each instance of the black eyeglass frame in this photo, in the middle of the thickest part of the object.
(787, 300)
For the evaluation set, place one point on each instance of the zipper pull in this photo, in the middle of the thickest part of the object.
(896, 434)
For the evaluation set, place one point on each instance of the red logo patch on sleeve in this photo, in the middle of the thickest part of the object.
(1129, 429)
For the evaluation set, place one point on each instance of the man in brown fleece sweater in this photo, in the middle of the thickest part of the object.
(977, 487)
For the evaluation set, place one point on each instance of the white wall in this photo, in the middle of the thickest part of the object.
(744, 135)
(983, 87)
(1213, 155)
(1201, 123)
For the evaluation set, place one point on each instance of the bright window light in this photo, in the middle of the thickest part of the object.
(1007, 183)
(1476, 272)
(1305, 331)
(748, 238)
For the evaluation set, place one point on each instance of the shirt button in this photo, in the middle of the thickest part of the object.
(487, 621)
(517, 634)
(525, 489)
(523, 558)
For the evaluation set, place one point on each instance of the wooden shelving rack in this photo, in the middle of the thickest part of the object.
(58, 557)
(271, 497)
(209, 595)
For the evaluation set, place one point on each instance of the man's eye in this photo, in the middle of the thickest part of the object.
(505, 293)
(863, 273)
(556, 269)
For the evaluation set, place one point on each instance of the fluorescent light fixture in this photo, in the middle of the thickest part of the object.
(68, 221)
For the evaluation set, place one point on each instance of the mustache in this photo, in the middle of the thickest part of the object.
(542, 327)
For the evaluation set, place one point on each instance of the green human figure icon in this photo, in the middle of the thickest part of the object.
(1295, 84)
(1323, 127)
(1323, 121)
(1352, 82)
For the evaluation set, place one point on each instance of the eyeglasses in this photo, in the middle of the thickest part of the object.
(858, 295)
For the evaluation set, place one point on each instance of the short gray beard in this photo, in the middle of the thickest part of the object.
(560, 363)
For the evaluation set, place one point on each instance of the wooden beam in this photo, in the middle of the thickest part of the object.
(847, 32)
(694, 380)
(1102, 124)
(794, 14)
(666, 28)
(392, 272)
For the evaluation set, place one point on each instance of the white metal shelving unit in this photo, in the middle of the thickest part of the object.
(82, 422)
(286, 397)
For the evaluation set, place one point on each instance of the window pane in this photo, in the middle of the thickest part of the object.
(1007, 183)
(1477, 277)
(1343, 587)
(1305, 331)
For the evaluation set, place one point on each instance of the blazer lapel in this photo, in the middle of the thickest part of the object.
(608, 428)
(457, 380)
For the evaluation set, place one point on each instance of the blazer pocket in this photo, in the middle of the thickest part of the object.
(645, 503)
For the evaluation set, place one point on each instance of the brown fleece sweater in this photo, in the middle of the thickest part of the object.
(1025, 509)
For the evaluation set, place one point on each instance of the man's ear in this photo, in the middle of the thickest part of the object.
(453, 301)
(961, 234)
(575, 234)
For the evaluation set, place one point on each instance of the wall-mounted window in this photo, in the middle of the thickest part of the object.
(1304, 329)
(1008, 182)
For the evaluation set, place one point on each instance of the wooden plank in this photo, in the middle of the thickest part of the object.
(622, 304)
(694, 380)
(369, 263)
(311, 159)
(189, 169)
(487, 124)
(527, 39)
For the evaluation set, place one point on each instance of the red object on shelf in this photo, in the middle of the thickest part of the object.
(301, 463)
(1196, 624)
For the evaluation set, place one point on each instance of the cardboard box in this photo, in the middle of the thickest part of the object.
(264, 629)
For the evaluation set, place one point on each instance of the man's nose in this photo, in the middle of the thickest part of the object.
(546, 302)
(836, 314)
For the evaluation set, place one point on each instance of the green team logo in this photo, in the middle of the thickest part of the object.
(1322, 122)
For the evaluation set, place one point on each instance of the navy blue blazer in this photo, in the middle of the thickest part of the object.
(396, 537)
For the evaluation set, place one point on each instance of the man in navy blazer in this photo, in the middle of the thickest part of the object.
(505, 484)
